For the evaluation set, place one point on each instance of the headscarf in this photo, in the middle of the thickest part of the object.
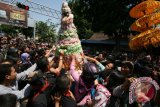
(24, 57)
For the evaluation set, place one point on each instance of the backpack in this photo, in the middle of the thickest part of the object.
(101, 96)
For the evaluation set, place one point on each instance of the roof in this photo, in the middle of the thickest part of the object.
(99, 36)
(104, 42)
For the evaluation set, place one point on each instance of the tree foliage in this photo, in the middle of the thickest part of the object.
(45, 32)
(9, 30)
(13, 31)
(110, 16)
(79, 10)
(28, 32)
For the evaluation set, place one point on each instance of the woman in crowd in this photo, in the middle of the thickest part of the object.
(86, 89)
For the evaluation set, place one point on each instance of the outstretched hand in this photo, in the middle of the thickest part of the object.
(127, 83)
(61, 52)
(73, 56)
(91, 59)
(53, 47)
(82, 54)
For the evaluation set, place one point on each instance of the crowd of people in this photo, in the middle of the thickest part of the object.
(31, 75)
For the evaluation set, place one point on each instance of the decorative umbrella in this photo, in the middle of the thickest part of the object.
(144, 8)
(143, 88)
(152, 38)
(146, 22)
(149, 37)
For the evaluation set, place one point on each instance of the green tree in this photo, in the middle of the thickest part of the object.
(28, 32)
(9, 30)
(41, 29)
(51, 34)
(110, 16)
(45, 32)
(79, 10)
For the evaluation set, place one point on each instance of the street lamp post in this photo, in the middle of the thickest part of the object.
(32, 23)
(34, 31)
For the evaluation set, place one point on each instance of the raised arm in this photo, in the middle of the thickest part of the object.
(25, 73)
(49, 52)
(74, 73)
(92, 59)
(25, 92)
(100, 66)
(60, 65)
